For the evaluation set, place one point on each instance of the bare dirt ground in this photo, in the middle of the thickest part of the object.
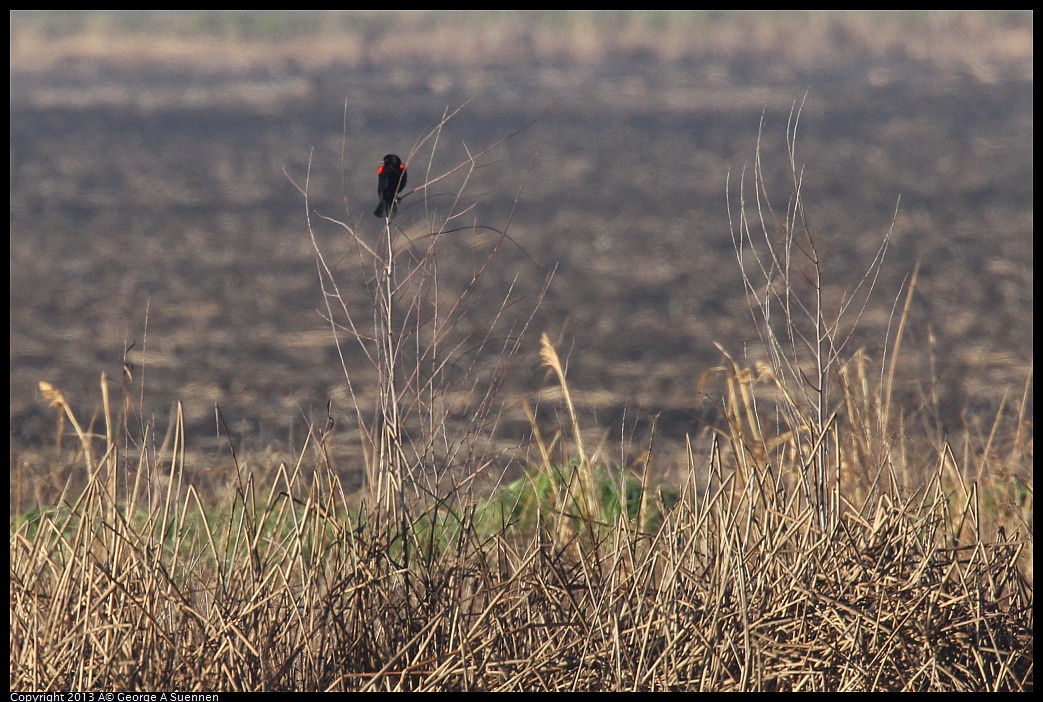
(155, 206)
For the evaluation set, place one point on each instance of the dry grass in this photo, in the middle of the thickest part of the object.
(291, 586)
(816, 542)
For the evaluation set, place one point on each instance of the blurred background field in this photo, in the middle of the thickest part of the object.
(153, 205)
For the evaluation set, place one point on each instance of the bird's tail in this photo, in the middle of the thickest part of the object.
(385, 209)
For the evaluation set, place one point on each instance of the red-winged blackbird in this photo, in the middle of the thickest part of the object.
(391, 178)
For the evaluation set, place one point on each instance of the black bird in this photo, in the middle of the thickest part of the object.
(391, 178)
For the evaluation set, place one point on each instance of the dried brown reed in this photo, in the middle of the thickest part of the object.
(738, 589)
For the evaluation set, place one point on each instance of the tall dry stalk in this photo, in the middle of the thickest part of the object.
(805, 336)
(417, 347)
